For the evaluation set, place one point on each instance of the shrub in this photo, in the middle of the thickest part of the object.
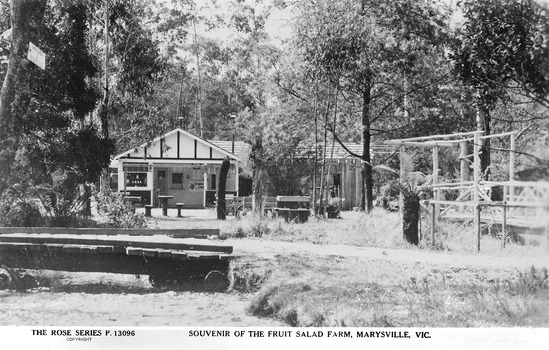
(117, 212)
(20, 213)
(18, 208)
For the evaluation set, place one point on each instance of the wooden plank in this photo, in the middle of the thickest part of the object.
(202, 256)
(20, 246)
(164, 254)
(427, 143)
(72, 248)
(54, 247)
(150, 253)
(119, 245)
(432, 137)
(179, 233)
(36, 247)
(179, 256)
(88, 249)
(105, 249)
(134, 251)
(299, 199)
(498, 135)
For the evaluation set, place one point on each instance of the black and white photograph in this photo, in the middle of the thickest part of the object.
(244, 174)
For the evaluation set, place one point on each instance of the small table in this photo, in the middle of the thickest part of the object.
(179, 207)
(164, 201)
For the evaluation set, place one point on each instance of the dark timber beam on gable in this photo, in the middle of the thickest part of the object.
(178, 144)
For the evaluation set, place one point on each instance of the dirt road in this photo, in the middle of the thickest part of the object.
(267, 249)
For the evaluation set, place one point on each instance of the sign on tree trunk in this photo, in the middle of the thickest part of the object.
(36, 56)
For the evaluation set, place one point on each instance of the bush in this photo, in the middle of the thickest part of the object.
(20, 213)
(118, 212)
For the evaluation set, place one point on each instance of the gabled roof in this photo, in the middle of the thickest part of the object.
(177, 144)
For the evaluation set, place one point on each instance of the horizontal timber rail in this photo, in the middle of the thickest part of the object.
(179, 233)
(119, 245)
(490, 204)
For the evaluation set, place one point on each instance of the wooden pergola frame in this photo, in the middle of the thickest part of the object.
(468, 187)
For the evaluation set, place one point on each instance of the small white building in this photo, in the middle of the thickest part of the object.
(177, 164)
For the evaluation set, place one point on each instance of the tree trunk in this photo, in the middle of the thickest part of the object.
(367, 183)
(104, 108)
(315, 112)
(322, 206)
(221, 187)
(329, 172)
(484, 124)
(199, 72)
(26, 16)
(256, 155)
(410, 218)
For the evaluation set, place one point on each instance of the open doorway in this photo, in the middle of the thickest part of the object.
(160, 184)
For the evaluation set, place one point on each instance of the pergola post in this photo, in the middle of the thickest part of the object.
(435, 182)
(463, 164)
(205, 179)
(512, 168)
(476, 184)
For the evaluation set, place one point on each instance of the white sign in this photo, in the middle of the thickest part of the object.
(36, 56)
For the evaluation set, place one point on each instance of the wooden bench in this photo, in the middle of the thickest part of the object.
(170, 258)
(293, 208)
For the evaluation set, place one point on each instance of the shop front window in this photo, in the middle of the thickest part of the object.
(136, 179)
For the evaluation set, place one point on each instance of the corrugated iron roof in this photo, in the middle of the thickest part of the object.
(242, 149)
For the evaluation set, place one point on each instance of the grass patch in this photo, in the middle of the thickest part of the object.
(334, 291)
(379, 229)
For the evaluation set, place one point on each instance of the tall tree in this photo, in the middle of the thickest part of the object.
(26, 17)
(502, 51)
(372, 50)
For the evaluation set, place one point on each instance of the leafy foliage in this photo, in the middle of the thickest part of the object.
(117, 211)
(503, 44)
(18, 209)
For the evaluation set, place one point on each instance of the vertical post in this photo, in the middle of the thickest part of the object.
(435, 181)
(463, 164)
(476, 177)
(124, 178)
(343, 180)
(358, 179)
(205, 177)
(237, 179)
(504, 226)
(233, 117)
(512, 168)
(433, 224)
(121, 176)
(477, 212)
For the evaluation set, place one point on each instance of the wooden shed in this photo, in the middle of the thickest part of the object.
(177, 164)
